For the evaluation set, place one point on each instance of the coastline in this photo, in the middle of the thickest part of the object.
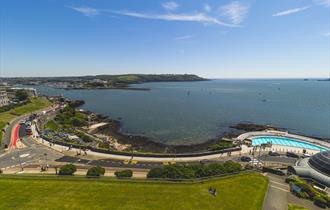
(109, 88)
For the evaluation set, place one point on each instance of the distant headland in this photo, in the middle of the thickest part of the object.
(103, 81)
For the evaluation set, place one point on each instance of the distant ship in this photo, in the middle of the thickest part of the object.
(324, 80)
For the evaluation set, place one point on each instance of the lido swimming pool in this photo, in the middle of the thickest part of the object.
(285, 142)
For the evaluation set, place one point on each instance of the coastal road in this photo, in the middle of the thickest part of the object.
(9, 132)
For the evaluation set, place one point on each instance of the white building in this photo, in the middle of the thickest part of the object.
(3, 98)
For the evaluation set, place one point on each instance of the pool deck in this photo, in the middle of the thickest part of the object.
(250, 135)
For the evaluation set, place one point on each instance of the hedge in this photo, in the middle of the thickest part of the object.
(68, 169)
(95, 171)
(176, 171)
(124, 174)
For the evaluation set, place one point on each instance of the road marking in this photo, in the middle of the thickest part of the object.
(279, 183)
(24, 155)
(279, 188)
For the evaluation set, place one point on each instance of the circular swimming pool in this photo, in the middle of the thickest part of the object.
(286, 142)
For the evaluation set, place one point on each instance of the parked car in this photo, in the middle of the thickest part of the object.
(271, 153)
(256, 162)
(306, 155)
(245, 159)
(291, 154)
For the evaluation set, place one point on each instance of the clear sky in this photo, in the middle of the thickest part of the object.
(211, 38)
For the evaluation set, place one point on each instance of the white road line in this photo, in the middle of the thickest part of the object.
(279, 188)
(279, 183)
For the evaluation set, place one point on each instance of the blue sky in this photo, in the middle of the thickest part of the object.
(211, 38)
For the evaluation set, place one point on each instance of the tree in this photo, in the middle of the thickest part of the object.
(68, 169)
(21, 95)
(95, 171)
(155, 173)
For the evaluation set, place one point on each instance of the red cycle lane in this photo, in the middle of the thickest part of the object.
(15, 136)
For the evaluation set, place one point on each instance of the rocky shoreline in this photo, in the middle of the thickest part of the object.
(144, 144)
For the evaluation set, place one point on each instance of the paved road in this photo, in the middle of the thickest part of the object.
(280, 159)
(32, 153)
(7, 136)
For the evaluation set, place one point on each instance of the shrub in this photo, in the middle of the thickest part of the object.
(155, 173)
(124, 174)
(319, 201)
(222, 145)
(95, 171)
(273, 171)
(303, 195)
(231, 166)
(68, 169)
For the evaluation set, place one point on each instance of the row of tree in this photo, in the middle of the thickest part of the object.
(173, 171)
(177, 171)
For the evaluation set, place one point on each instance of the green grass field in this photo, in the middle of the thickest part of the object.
(238, 192)
(35, 105)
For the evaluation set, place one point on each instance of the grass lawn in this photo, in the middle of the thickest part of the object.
(296, 207)
(36, 104)
(238, 192)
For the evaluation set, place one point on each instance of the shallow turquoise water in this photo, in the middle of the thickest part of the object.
(193, 112)
(285, 142)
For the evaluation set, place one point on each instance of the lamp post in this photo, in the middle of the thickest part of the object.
(19, 160)
(132, 149)
(46, 165)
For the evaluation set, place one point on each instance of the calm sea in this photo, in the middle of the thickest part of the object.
(192, 112)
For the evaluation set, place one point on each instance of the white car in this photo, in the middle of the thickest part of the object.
(306, 155)
(255, 162)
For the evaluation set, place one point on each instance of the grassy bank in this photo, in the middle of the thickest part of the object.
(234, 192)
(295, 207)
(34, 105)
